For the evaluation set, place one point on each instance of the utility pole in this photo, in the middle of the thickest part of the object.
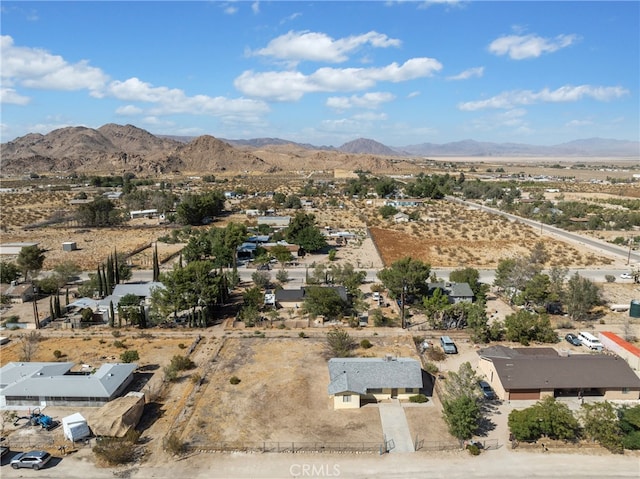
(36, 317)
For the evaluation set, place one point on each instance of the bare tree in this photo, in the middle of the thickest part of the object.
(29, 345)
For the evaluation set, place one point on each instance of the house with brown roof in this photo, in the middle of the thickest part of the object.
(536, 373)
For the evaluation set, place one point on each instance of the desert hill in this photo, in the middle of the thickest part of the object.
(126, 148)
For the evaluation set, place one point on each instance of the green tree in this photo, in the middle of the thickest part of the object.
(129, 309)
(156, 263)
(303, 231)
(629, 418)
(581, 295)
(512, 275)
(406, 275)
(461, 402)
(100, 212)
(30, 260)
(340, 344)
(323, 301)
(536, 290)
(387, 211)
(8, 272)
(66, 272)
(281, 253)
(547, 417)
(525, 327)
(194, 209)
(601, 424)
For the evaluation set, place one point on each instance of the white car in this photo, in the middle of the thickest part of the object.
(626, 276)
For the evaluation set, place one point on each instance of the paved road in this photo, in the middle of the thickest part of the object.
(395, 426)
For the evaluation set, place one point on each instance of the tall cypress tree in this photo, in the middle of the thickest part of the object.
(100, 282)
(156, 264)
(56, 306)
(66, 297)
(110, 275)
(112, 314)
(116, 270)
(52, 313)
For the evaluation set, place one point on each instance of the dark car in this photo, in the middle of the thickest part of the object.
(32, 459)
(573, 339)
(487, 392)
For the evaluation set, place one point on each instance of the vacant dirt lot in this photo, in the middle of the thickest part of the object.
(95, 348)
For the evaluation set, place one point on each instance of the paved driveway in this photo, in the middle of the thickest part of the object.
(395, 426)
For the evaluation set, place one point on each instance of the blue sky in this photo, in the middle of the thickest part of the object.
(399, 72)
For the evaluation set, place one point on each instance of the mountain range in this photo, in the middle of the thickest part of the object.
(121, 148)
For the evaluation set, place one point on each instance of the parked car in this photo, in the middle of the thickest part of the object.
(264, 267)
(487, 392)
(626, 276)
(32, 459)
(573, 339)
(448, 346)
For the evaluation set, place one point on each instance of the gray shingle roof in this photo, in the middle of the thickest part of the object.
(49, 379)
(454, 290)
(358, 375)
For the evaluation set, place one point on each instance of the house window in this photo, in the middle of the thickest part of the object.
(625, 390)
(409, 390)
(375, 391)
(346, 398)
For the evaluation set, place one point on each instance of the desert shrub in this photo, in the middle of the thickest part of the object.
(431, 368)
(181, 363)
(196, 378)
(129, 356)
(234, 380)
(182, 346)
(120, 344)
(418, 398)
(302, 334)
(57, 354)
(609, 278)
(116, 333)
(473, 449)
(436, 354)
(174, 444)
(365, 344)
(115, 450)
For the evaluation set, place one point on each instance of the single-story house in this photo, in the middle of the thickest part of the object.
(274, 221)
(17, 293)
(624, 349)
(40, 384)
(293, 298)
(353, 381)
(536, 373)
(13, 249)
(152, 213)
(456, 292)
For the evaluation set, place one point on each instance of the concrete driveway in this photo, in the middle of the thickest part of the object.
(395, 426)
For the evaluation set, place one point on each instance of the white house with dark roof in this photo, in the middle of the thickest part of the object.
(456, 292)
(39, 384)
(357, 380)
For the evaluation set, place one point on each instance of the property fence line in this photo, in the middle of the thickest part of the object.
(29, 442)
(286, 447)
(438, 446)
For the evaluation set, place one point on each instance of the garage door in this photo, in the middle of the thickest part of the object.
(524, 394)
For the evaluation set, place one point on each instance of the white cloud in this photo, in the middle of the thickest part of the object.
(229, 8)
(128, 110)
(319, 47)
(371, 101)
(370, 116)
(292, 85)
(413, 94)
(255, 7)
(567, 93)
(578, 123)
(428, 3)
(290, 18)
(512, 121)
(10, 97)
(173, 101)
(520, 47)
(37, 68)
(470, 73)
